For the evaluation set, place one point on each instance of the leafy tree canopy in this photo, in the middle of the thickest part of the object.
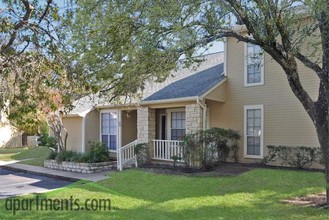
(115, 41)
(34, 80)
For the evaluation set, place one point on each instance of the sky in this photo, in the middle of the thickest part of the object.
(216, 47)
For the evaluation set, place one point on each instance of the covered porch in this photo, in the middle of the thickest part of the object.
(163, 127)
(178, 109)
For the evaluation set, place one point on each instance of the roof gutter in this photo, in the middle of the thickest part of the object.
(129, 105)
(71, 116)
(163, 101)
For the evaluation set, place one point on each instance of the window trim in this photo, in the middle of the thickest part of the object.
(118, 130)
(225, 55)
(253, 107)
(246, 84)
(168, 112)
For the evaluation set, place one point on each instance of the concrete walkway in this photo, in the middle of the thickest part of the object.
(94, 177)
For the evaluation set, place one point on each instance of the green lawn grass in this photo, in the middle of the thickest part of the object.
(31, 156)
(137, 194)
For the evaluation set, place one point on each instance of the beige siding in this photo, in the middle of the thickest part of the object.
(129, 126)
(92, 133)
(9, 136)
(73, 126)
(218, 94)
(285, 120)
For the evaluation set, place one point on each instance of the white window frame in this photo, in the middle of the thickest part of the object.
(225, 55)
(246, 84)
(254, 107)
(118, 125)
(168, 112)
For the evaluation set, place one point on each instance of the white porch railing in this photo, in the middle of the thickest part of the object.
(166, 149)
(126, 154)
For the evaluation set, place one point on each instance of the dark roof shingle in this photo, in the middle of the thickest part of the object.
(191, 86)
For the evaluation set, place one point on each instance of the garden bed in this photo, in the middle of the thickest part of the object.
(80, 167)
(221, 169)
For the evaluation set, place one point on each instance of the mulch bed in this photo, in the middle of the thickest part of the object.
(222, 169)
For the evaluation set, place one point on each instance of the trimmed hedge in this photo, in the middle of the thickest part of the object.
(294, 156)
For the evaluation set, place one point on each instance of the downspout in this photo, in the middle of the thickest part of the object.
(204, 113)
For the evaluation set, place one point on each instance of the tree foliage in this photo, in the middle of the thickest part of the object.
(34, 81)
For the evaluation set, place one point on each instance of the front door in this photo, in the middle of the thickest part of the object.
(163, 120)
(109, 129)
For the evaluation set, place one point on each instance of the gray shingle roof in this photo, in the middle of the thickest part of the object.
(84, 104)
(191, 86)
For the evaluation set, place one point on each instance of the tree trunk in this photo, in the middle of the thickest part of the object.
(321, 123)
(318, 112)
(56, 124)
(323, 137)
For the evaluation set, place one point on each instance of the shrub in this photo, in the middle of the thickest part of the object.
(224, 140)
(65, 156)
(98, 153)
(175, 159)
(299, 156)
(202, 148)
(142, 153)
(193, 153)
(47, 141)
(77, 157)
(52, 155)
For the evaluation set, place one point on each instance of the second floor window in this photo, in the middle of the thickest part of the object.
(254, 73)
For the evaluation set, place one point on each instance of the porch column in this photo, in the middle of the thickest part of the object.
(193, 118)
(146, 126)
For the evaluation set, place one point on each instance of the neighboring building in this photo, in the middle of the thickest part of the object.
(9, 135)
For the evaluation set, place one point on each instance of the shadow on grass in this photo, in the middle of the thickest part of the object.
(135, 194)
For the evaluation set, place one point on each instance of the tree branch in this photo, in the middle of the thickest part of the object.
(316, 68)
(28, 12)
(45, 12)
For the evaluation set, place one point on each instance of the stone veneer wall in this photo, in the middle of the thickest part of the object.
(193, 118)
(146, 126)
(79, 167)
